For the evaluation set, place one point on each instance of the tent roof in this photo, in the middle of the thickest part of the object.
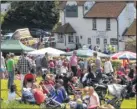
(14, 46)
(51, 51)
(85, 53)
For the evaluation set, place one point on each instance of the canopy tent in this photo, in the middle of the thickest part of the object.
(14, 46)
(124, 55)
(85, 52)
(49, 50)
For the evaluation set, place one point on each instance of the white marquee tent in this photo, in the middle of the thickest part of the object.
(49, 50)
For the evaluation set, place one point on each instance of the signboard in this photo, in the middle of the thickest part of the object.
(101, 34)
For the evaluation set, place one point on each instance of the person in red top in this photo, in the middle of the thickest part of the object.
(38, 93)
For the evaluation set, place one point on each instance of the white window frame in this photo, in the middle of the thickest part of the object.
(105, 41)
(70, 38)
(108, 24)
(60, 38)
(98, 41)
(94, 24)
(86, 7)
(89, 40)
(113, 41)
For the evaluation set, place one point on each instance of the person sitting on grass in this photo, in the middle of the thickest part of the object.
(38, 93)
(64, 92)
(57, 96)
(94, 99)
(47, 84)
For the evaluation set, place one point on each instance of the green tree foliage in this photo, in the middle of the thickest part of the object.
(32, 14)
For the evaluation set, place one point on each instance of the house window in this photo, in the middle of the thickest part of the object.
(86, 7)
(108, 24)
(89, 40)
(113, 41)
(97, 41)
(94, 24)
(105, 41)
(71, 11)
(60, 38)
(70, 39)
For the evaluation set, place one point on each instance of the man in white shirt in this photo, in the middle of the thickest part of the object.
(108, 66)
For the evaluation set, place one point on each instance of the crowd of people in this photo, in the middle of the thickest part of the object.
(58, 74)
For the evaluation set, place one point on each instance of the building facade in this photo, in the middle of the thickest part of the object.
(95, 23)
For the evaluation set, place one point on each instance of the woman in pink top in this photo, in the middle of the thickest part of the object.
(74, 63)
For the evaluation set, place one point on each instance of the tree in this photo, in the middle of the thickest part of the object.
(32, 14)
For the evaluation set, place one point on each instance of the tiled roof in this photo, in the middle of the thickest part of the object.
(106, 10)
(66, 28)
(131, 31)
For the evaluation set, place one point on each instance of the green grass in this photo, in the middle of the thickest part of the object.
(12, 105)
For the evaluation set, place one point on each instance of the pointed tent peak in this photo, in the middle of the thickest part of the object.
(66, 28)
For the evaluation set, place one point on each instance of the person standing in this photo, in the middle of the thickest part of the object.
(10, 68)
(73, 63)
(98, 66)
(108, 66)
(38, 65)
(44, 61)
(33, 64)
(23, 66)
(3, 67)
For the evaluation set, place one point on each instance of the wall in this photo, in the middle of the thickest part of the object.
(126, 18)
(62, 45)
(61, 18)
(5, 7)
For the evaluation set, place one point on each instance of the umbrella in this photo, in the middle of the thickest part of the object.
(124, 55)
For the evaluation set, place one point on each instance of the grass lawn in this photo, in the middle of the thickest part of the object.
(15, 104)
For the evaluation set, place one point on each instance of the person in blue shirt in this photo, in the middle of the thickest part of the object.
(58, 97)
(64, 92)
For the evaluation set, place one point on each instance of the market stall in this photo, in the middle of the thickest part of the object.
(85, 52)
(14, 46)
